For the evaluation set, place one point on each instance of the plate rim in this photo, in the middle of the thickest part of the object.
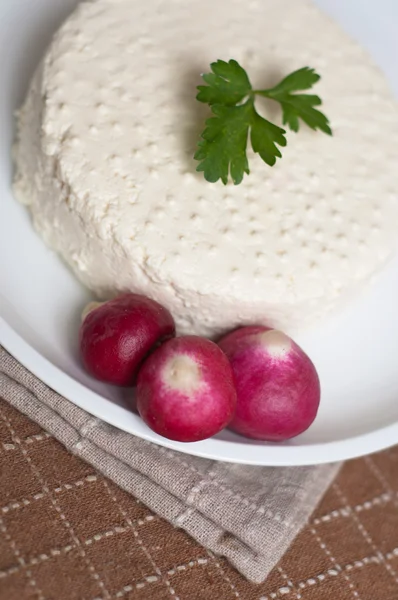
(307, 453)
(271, 455)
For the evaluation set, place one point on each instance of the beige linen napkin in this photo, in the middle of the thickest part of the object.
(250, 515)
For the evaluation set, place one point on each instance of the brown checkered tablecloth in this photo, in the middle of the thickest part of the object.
(68, 533)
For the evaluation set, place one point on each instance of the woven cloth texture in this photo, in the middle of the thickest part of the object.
(250, 515)
(66, 531)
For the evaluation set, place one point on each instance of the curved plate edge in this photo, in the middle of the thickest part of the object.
(310, 454)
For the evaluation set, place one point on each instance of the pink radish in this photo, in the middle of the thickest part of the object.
(185, 390)
(277, 385)
(116, 336)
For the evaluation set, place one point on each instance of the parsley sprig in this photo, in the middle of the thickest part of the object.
(222, 147)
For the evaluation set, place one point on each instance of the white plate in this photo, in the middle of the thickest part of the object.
(356, 353)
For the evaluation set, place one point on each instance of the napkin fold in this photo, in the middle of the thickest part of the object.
(248, 514)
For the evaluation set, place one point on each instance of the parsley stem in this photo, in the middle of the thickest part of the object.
(266, 93)
(222, 148)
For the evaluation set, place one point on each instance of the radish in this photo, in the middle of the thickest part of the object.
(277, 385)
(116, 336)
(185, 390)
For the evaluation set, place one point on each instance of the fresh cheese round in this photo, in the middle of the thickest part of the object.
(104, 159)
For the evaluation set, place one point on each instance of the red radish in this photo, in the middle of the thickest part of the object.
(116, 336)
(185, 390)
(277, 384)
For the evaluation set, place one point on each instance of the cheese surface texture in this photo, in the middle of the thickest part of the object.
(104, 159)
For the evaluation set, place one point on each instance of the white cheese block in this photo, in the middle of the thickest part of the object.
(105, 162)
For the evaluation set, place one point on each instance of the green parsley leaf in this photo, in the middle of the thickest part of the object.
(223, 147)
(299, 106)
(264, 137)
(302, 79)
(222, 150)
(228, 84)
(223, 144)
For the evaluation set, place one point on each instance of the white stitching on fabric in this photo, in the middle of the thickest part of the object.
(260, 509)
(65, 487)
(366, 535)
(206, 478)
(139, 540)
(188, 565)
(116, 530)
(316, 579)
(91, 424)
(223, 574)
(20, 559)
(380, 476)
(344, 512)
(7, 446)
(290, 584)
(338, 568)
(53, 552)
(37, 437)
(55, 505)
(36, 560)
(153, 578)
(284, 590)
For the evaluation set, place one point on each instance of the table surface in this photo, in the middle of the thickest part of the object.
(68, 533)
